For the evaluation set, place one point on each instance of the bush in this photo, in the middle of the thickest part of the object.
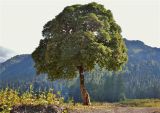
(10, 98)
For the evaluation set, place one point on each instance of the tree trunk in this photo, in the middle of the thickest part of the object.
(84, 92)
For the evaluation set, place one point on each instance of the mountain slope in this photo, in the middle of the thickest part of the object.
(19, 67)
(140, 78)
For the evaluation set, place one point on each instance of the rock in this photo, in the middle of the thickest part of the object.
(37, 109)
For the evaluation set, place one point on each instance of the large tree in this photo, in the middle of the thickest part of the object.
(76, 40)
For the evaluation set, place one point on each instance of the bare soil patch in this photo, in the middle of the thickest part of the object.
(107, 108)
(117, 110)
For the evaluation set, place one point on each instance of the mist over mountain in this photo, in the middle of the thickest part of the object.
(5, 54)
(140, 78)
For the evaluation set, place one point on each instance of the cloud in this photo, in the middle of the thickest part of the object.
(5, 54)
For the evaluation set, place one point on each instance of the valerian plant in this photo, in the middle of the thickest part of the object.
(10, 98)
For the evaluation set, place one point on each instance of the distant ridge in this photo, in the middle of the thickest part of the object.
(141, 76)
(22, 65)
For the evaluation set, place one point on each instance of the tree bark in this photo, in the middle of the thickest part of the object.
(84, 92)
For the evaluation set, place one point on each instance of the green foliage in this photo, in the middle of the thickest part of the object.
(10, 98)
(81, 35)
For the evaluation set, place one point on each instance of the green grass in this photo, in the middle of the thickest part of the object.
(141, 102)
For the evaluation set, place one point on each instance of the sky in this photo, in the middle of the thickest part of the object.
(21, 21)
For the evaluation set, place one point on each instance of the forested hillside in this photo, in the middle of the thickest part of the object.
(139, 79)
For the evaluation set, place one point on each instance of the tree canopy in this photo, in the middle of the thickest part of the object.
(81, 35)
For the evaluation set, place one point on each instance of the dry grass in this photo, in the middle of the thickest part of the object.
(141, 103)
